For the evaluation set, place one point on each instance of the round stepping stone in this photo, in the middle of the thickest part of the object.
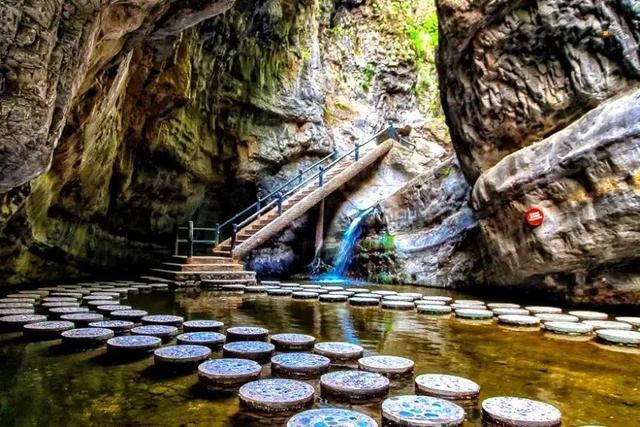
(304, 295)
(310, 287)
(86, 336)
(98, 303)
(537, 309)
(429, 302)
(446, 387)
(88, 298)
(227, 373)
(359, 290)
(206, 338)
(56, 312)
(384, 293)
(331, 417)
(468, 302)
(5, 305)
(46, 330)
(34, 292)
(82, 319)
(608, 324)
(510, 311)
(130, 315)
(161, 331)
(555, 317)
(633, 321)
(333, 298)
(59, 299)
(15, 311)
(300, 365)
(474, 314)
(163, 319)
(271, 283)
(442, 298)
(519, 412)
(112, 295)
(29, 301)
(115, 325)
(457, 306)
(50, 305)
(292, 342)
(256, 289)
(278, 292)
(354, 385)
(519, 320)
(333, 288)
(159, 286)
(276, 395)
(177, 355)
(369, 295)
(131, 344)
(339, 350)
(289, 286)
(589, 315)
(364, 302)
(567, 328)
(386, 365)
(108, 309)
(247, 333)
(398, 298)
(414, 295)
(17, 321)
(345, 293)
(252, 350)
(202, 326)
(417, 411)
(618, 337)
(76, 295)
(397, 305)
(493, 305)
(433, 309)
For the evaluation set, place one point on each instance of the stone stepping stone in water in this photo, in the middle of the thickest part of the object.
(364, 302)
(493, 305)
(256, 289)
(554, 317)
(50, 305)
(98, 303)
(59, 299)
(276, 395)
(457, 306)
(519, 320)
(448, 387)
(346, 293)
(159, 286)
(31, 301)
(57, 312)
(519, 412)
(290, 286)
(414, 295)
(354, 385)
(34, 293)
(15, 311)
(279, 292)
(390, 366)
(417, 411)
(567, 328)
(304, 295)
(327, 417)
(293, 342)
(86, 337)
(82, 319)
(433, 309)
(163, 319)
(202, 326)
(310, 286)
(181, 355)
(442, 298)
(633, 321)
(333, 298)
(118, 326)
(247, 333)
(384, 293)
(397, 305)
(108, 309)
(510, 311)
(213, 340)
(608, 324)
(223, 374)
(161, 331)
(469, 302)
(333, 288)
(342, 351)
(430, 302)
(46, 330)
(17, 321)
(540, 309)
(474, 314)
(113, 293)
(5, 305)
(618, 337)
(271, 283)
(86, 299)
(76, 295)
(299, 365)
(589, 315)
(130, 315)
(132, 344)
(398, 298)
(253, 350)
(369, 295)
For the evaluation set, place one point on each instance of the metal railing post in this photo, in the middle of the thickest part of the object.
(321, 176)
(234, 236)
(176, 249)
(334, 154)
(190, 239)
(300, 172)
(217, 234)
(258, 205)
(279, 204)
(357, 151)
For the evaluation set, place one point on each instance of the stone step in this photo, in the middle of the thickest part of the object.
(181, 276)
(217, 283)
(202, 267)
(179, 259)
(156, 279)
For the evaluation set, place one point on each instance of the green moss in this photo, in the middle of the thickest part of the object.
(368, 73)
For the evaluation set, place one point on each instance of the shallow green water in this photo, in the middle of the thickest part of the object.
(41, 385)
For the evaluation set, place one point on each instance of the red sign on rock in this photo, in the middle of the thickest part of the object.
(534, 217)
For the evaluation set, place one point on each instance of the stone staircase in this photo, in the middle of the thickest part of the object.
(210, 270)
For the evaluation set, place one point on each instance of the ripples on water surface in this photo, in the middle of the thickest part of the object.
(42, 386)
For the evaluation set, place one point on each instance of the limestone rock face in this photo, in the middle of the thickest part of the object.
(586, 179)
(514, 72)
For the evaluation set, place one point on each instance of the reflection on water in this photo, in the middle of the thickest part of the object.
(43, 386)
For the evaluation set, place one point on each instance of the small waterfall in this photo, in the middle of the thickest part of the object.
(342, 258)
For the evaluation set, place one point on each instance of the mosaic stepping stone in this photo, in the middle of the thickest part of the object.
(339, 350)
(247, 333)
(272, 283)
(128, 344)
(368, 295)
(209, 339)
(433, 309)
(232, 288)
(390, 366)
(345, 293)
(161, 331)
(76, 295)
(333, 288)
(437, 298)
(256, 289)
(397, 305)
(474, 314)
(86, 336)
(118, 326)
(537, 309)
(555, 317)
(56, 312)
(304, 295)
(252, 350)
(279, 292)
(98, 303)
(108, 309)
(181, 355)
(589, 315)
(634, 321)
(519, 412)
(299, 365)
(114, 295)
(88, 298)
(290, 286)
(354, 385)
(30, 301)
(163, 319)
(364, 302)
(429, 302)
(398, 298)
(34, 292)
(359, 290)
(510, 311)
(421, 411)
(468, 302)
(519, 320)
(618, 337)
(202, 326)
(17, 321)
(446, 387)
(50, 305)
(276, 395)
(310, 286)
(457, 306)
(59, 299)
(292, 342)
(567, 328)
(330, 417)
(608, 324)
(15, 311)
(5, 305)
(46, 330)
(333, 298)
(384, 293)
(131, 315)
(82, 319)
(493, 305)
(227, 373)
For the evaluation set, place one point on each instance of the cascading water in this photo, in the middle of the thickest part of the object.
(342, 259)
